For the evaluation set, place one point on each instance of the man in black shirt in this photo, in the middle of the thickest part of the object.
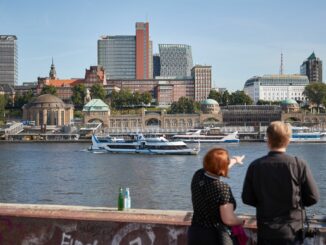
(279, 186)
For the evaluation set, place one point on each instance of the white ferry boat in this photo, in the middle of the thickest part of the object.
(142, 145)
(211, 135)
(304, 134)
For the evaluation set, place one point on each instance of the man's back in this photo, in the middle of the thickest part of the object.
(273, 185)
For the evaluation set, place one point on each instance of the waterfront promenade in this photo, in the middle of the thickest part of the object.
(66, 225)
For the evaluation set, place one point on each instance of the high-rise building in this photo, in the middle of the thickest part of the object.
(156, 65)
(117, 54)
(127, 57)
(144, 60)
(151, 65)
(312, 68)
(202, 76)
(8, 60)
(176, 60)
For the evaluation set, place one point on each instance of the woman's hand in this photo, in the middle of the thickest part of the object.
(236, 160)
(239, 159)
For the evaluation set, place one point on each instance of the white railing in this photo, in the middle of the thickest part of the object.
(14, 128)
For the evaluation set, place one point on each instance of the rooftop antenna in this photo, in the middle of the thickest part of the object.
(281, 67)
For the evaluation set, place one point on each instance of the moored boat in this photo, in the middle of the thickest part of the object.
(141, 145)
(211, 135)
(305, 134)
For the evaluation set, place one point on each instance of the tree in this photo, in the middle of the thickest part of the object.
(225, 98)
(113, 97)
(125, 99)
(121, 99)
(240, 98)
(21, 100)
(136, 99)
(316, 93)
(267, 102)
(215, 95)
(9, 101)
(49, 89)
(78, 95)
(184, 105)
(146, 98)
(98, 92)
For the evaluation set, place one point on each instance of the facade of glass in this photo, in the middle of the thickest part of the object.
(156, 65)
(117, 54)
(8, 60)
(276, 87)
(176, 60)
(312, 68)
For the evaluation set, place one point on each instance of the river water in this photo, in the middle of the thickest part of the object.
(52, 173)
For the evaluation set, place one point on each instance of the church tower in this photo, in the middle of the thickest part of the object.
(53, 73)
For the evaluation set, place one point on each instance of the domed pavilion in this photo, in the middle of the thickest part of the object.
(290, 105)
(210, 106)
(48, 109)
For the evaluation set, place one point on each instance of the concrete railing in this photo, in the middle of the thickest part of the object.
(75, 225)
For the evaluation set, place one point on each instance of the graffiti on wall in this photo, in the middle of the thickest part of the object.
(28, 231)
(68, 240)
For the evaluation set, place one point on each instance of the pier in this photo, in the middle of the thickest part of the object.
(66, 225)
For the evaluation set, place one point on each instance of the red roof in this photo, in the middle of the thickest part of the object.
(64, 82)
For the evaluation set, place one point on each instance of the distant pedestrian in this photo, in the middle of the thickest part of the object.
(279, 186)
(213, 201)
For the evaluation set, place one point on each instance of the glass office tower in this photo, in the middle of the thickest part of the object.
(8, 60)
(312, 68)
(176, 60)
(117, 54)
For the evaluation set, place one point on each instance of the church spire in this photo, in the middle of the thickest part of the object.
(53, 73)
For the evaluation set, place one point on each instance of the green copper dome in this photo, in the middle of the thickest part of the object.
(96, 105)
(209, 102)
(288, 102)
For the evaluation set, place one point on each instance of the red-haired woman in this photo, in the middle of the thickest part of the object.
(212, 200)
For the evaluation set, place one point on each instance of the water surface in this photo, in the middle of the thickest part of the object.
(54, 173)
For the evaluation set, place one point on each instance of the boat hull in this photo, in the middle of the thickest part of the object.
(150, 152)
(209, 141)
(197, 137)
(150, 146)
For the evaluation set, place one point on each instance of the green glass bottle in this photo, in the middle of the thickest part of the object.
(120, 199)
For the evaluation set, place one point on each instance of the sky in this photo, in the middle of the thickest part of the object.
(238, 38)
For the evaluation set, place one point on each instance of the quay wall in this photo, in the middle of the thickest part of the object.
(77, 225)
